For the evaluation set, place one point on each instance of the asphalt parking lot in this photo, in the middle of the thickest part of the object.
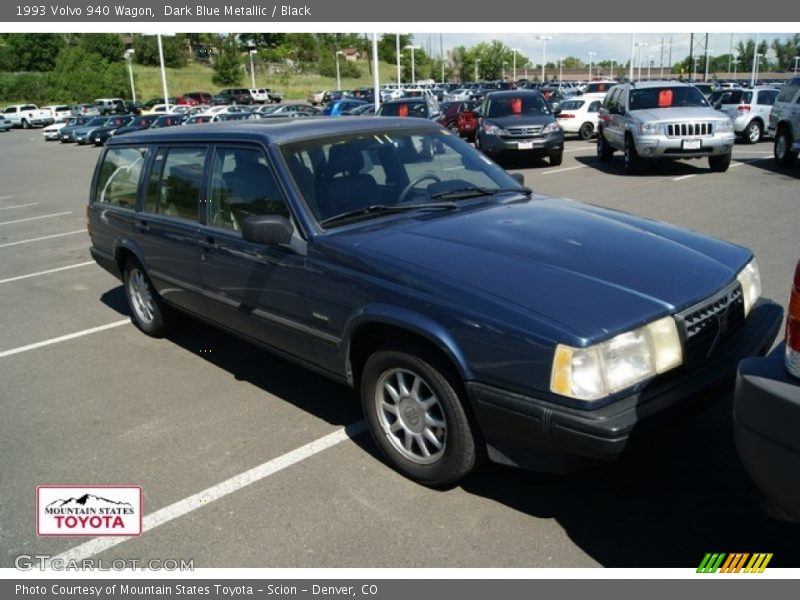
(194, 413)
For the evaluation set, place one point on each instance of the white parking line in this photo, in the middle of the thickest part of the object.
(46, 237)
(6, 197)
(565, 169)
(63, 338)
(29, 275)
(586, 149)
(204, 498)
(684, 177)
(50, 216)
(18, 206)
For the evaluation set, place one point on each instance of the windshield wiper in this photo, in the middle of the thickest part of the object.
(385, 209)
(473, 191)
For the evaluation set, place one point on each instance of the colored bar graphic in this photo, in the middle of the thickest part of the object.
(733, 563)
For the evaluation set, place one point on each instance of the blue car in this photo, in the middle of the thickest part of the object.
(340, 107)
(474, 317)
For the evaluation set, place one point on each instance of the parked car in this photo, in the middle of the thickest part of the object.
(363, 110)
(194, 98)
(705, 88)
(110, 106)
(579, 116)
(166, 121)
(340, 107)
(749, 110)
(784, 123)
(65, 135)
(138, 123)
(598, 87)
(199, 119)
(83, 134)
(5, 124)
(519, 121)
(648, 120)
(53, 132)
(315, 98)
(420, 108)
(58, 110)
(468, 121)
(110, 127)
(461, 305)
(288, 109)
(458, 95)
(234, 96)
(766, 416)
(27, 116)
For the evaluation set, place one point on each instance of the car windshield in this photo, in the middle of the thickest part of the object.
(571, 104)
(522, 104)
(97, 121)
(391, 171)
(666, 97)
(598, 88)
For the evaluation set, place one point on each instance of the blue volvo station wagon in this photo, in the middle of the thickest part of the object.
(476, 318)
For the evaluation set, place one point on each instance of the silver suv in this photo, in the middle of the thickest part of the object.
(784, 123)
(749, 110)
(662, 119)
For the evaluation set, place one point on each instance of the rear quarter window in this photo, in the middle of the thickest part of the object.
(118, 181)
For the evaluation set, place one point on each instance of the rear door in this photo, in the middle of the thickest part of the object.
(168, 228)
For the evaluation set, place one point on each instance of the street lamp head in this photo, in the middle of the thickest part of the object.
(544, 38)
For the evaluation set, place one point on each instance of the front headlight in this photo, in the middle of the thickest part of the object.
(725, 126)
(649, 128)
(553, 127)
(750, 280)
(611, 366)
(490, 129)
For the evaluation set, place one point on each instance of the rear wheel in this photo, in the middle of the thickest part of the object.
(416, 415)
(752, 134)
(25, 124)
(720, 163)
(783, 142)
(586, 131)
(633, 162)
(605, 153)
(147, 309)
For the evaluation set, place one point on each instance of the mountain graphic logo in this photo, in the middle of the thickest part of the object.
(86, 501)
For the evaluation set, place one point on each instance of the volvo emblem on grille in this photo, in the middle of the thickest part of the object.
(722, 323)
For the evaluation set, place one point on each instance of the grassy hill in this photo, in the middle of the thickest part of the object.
(197, 77)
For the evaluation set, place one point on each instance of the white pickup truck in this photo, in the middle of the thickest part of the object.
(27, 116)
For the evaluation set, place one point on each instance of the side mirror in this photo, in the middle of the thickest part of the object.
(519, 178)
(267, 229)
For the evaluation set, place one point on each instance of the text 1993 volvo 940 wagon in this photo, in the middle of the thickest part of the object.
(475, 317)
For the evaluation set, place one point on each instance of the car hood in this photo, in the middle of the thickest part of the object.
(591, 270)
(685, 113)
(521, 120)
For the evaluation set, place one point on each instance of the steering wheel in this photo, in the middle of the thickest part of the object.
(413, 183)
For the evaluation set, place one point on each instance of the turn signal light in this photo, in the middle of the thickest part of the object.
(793, 327)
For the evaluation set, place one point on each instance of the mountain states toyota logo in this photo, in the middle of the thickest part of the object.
(89, 510)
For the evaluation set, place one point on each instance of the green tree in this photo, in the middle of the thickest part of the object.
(489, 58)
(326, 66)
(80, 76)
(785, 52)
(175, 50)
(228, 64)
(387, 47)
(107, 45)
(32, 51)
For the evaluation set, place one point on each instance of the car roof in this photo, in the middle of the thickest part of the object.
(642, 85)
(277, 132)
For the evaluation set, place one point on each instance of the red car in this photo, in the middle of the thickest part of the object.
(468, 120)
(195, 98)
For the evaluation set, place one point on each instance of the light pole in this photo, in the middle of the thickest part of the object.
(705, 77)
(477, 61)
(413, 74)
(503, 67)
(735, 64)
(612, 68)
(163, 71)
(591, 56)
(129, 57)
(397, 54)
(514, 64)
(252, 70)
(796, 59)
(694, 70)
(544, 39)
(758, 64)
(649, 64)
(560, 69)
(640, 45)
(755, 62)
(338, 75)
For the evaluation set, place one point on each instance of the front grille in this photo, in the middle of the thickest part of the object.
(690, 129)
(709, 326)
(524, 131)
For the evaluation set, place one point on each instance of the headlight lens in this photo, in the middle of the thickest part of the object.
(490, 129)
(611, 366)
(552, 128)
(750, 280)
(725, 126)
(649, 128)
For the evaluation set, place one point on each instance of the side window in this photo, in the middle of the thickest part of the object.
(610, 99)
(594, 106)
(176, 179)
(788, 92)
(118, 182)
(242, 185)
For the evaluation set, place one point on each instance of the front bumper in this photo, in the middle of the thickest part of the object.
(766, 422)
(534, 433)
(51, 135)
(546, 144)
(660, 146)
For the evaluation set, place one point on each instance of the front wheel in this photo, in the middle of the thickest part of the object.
(25, 124)
(416, 416)
(783, 155)
(147, 309)
(633, 162)
(556, 158)
(752, 134)
(720, 163)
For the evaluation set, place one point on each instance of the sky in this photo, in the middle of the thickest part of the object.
(607, 46)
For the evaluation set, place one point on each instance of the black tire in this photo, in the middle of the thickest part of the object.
(452, 126)
(720, 163)
(783, 142)
(25, 124)
(605, 153)
(556, 158)
(442, 428)
(586, 131)
(148, 311)
(633, 162)
(752, 133)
